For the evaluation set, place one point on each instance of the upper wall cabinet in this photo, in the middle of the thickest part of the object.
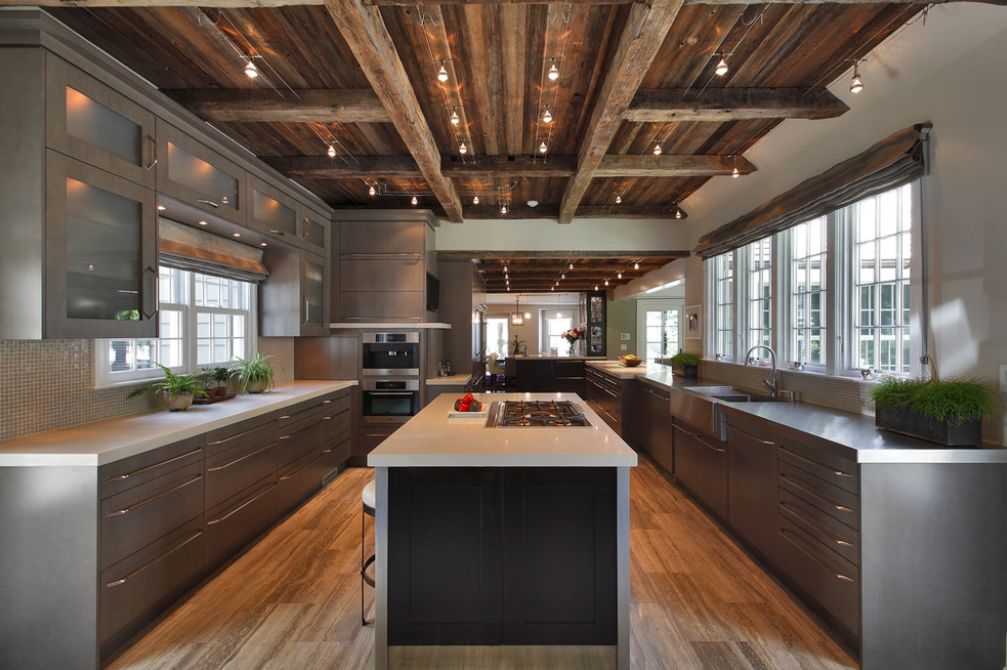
(272, 211)
(195, 174)
(314, 231)
(93, 123)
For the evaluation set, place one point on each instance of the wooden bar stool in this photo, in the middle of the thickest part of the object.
(367, 499)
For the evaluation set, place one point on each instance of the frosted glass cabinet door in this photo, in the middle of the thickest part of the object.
(314, 320)
(272, 211)
(89, 121)
(314, 230)
(101, 253)
(194, 173)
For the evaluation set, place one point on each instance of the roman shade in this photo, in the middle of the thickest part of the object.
(188, 248)
(896, 160)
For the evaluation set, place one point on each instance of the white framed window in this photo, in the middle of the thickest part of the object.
(497, 336)
(555, 325)
(663, 336)
(808, 293)
(759, 302)
(205, 321)
(721, 317)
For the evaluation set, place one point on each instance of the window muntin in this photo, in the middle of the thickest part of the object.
(205, 321)
(881, 228)
(808, 292)
(555, 327)
(662, 336)
(723, 305)
(759, 267)
(497, 335)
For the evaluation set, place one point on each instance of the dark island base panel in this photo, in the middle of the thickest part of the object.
(489, 556)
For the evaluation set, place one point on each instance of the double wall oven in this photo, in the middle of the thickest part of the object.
(390, 367)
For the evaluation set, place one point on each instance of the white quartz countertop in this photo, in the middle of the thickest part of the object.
(557, 357)
(101, 442)
(404, 325)
(432, 439)
(450, 380)
(657, 374)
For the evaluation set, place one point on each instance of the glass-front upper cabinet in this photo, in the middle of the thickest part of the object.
(93, 123)
(100, 253)
(314, 230)
(194, 173)
(314, 320)
(272, 211)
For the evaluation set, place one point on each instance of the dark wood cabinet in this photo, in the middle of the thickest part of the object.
(294, 301)
(369, 438)
(752, 494)
(236, 522)
(656, 434)
(546, 375)
(194, 173)
(701, 467)
(239, 456)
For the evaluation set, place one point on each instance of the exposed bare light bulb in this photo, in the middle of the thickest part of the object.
(857, 83)
(735, 173)
(250, 70)
(331, 151)
(415, 200)
(619, 276)
(372, 191)
(721, 67)
(571, 266)
(503, 209)
(462, 149)
(606, 282)
(547, 117)
(475, 200)
(553, 72)
(442, 74)
(636, 266)
(595, 287)
(505, 269)
(618, 199)
(542, 148)
(678, 212)
(455, 119)
(657, 149)
(161, 208)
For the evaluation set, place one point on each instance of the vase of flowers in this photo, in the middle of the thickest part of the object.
(573, 336)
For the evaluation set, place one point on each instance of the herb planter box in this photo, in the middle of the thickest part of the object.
(909, 422)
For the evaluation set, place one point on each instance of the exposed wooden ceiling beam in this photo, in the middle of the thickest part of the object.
(362, 167)
(564, 256)
(367, 36)
(734, 104)
(647, 165)
(239, 4)
(512, 166)
(304, 106)
(522, 211)
(642, 36)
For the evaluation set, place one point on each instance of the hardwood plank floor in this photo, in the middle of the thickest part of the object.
(292, 601)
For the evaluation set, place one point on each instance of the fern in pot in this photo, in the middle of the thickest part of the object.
(178, 390)
(947, 412)
(685, 364)
(254, 374)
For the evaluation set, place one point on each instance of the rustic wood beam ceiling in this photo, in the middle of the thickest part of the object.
(299, 106)
(523, 211)
(638, 44)
(365, 33)
(616, 165)
(266, 4)
(562, 257)
(537, 272)
(719, 105)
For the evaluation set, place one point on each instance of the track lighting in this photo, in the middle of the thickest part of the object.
(636, 266)
(657, 150)
(250, 70)
(857, 83)
(442, 74)
(606, 282)
(547, 117)
(553, 71)
(503, 209)
(462, 149)
(619, 276)
(735, 173)
(618, 199)
(678, 212)
(455, 119)
(415, 200)
(475, 200)
(571, 266)
(542, 148)
(721, 69)
(331, 151)
(372, 191)
(595, 287)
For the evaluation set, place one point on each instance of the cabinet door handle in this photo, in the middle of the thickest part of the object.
(414, 256)
(210, 203)
(838, 575)
(214, 522)
(153, 152)
(285, 437)
(276, 231)
(843, 577)
(840, 473)
(285, 416)
(229, 439)
(150, 271)
(126, 578)
(768, 443)
(326, 402)
(709, 446)
(843, 508)
(844, 543)
(307, 306)
(148, 468)
(157, 496)
(218, 468)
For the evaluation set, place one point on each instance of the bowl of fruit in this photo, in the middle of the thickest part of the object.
(630, 360)
(468, 406)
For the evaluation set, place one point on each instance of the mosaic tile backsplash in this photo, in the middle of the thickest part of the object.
(49, 384)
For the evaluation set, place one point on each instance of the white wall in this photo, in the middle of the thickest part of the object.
(547, 235)
(951, 71)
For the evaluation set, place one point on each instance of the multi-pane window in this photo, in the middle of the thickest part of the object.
(759, 266)
(808, 297)
(662, 336)
(205, 321)
(882, 252)
(555, 327)
(723, 305)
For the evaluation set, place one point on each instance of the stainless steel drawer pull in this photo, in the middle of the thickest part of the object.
(148, 468)
(123, 580)
(147, 501)
(327, 418)
(844, 543)
(843, 508)
(209, 202)
(844, 577)
(214, 522)
(285, 437)
(326, 402)
(285, 416)
(840, 473)
(218, 468)
(768, 443)
(233, 437)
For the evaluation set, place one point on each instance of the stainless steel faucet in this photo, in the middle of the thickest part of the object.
(772, 383)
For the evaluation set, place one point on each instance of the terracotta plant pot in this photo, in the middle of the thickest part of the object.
(178, 402)
(256, 387)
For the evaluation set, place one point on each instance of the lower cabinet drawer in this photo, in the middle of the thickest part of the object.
(337, 426)
(335, 454)
(299, 480)
(835, 535)
(134, 518)
(296, 446)
(232, 525)
(831, 582)
(236, 469)
(132, 472)
(137, 589)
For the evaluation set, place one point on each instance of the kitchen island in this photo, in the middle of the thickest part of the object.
(507, 536)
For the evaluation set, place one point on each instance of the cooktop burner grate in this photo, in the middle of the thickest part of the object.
(540, 413)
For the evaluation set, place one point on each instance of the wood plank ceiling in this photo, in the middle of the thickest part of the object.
(318, 89)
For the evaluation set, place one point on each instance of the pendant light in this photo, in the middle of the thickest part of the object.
(543, 148)
(553, 71)
(735, 172)
(516, 317)
(618, 199)
(462, 149)
(571, 266)
(475, 200)
(455, 119)
(503, 208)
(721, 69)
(606, 282)
(250, 70)
(331, 151)
(857, 83)
(678, 212)
(657, 149)
(547, 117)
(442, 74)
(619, 276)
(415, 200)
(636, 266)
(372, 191)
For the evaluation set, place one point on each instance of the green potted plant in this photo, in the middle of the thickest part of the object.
(220, 378)
(254, 374)
(948, 412)
(685, 364)
(178, 390)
